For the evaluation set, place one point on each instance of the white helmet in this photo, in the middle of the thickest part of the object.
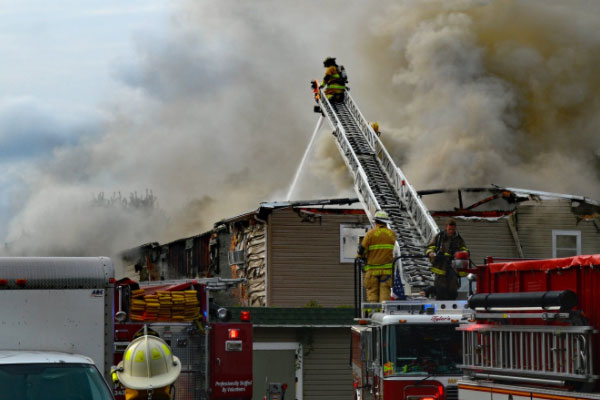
(148, 364)
(382, 216)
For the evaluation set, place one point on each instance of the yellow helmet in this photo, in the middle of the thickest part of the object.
(148, 364)
(382, 216)
(375, 127)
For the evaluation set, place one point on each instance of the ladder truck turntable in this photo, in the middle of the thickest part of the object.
(401, 349)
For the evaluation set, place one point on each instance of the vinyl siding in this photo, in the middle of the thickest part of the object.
(326, 365)
(304, 260)
(327, 371)
(536, 220)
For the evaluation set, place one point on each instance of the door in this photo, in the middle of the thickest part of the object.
(274, 366)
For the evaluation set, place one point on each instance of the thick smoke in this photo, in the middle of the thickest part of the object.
(215, 118)
(484, 92)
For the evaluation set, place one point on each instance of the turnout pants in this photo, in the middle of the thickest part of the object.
(378, 286)
(446, 287)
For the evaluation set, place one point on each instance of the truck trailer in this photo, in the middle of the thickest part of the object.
(57, 325)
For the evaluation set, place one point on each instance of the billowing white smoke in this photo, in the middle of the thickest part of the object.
(213, 120)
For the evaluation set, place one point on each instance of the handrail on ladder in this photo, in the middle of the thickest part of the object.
(403, 188)
(422, 220)
(361, 180)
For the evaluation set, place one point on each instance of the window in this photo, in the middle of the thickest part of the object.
(350, 237)
(53, 381)
(566, 243)
(236, 257)
(422, 349)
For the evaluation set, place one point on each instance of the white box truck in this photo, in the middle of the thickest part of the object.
(56, 324)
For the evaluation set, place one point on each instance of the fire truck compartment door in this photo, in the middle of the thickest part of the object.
(231, 360)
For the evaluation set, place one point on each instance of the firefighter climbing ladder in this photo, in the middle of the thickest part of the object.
(381, 185)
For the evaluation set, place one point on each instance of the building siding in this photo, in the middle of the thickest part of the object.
(327, 371)
(536, 220)
(304, 260)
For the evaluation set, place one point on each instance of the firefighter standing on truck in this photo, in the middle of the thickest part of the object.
(440, 251)
(148, 370)
(334, 83)
(378, 249)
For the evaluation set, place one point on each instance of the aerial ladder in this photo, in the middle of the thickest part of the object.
(381, 185)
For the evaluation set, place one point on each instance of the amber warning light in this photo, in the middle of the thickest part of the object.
(234, 334)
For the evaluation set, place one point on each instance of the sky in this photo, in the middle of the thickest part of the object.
(124, 123)
(61, 62)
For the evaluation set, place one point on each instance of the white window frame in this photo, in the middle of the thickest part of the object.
(297, 347)
(560, 232)
(343, 259)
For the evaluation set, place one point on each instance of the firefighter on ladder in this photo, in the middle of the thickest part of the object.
(440, 251)
(377, 248)
(375, 126)
(334, 83)
(148, 370)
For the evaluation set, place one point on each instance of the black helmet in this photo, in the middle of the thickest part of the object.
(329, 61)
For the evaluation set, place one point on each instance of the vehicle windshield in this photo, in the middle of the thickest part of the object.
(52, 382)
(424, 349)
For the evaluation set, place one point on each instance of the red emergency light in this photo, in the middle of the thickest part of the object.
(21, 282)
(234, 333)
(3, 282)
(245, 316)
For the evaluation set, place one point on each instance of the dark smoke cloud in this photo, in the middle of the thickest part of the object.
(486, 92)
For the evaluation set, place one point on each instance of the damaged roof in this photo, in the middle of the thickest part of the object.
(266, 208)
(502, 201)
(490, 203)
(498, 203)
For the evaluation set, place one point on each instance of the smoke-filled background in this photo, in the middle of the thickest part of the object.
(214, 117)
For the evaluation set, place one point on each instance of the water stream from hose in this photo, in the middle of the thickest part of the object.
(306, 152)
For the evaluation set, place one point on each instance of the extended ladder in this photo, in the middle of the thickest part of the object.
(381, 185)
(535, 354)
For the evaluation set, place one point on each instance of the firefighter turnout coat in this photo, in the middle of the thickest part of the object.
(378, 248)
(444, 247)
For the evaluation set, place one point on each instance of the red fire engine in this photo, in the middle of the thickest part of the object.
(216, 354)
(534, 331)
(409, 349)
